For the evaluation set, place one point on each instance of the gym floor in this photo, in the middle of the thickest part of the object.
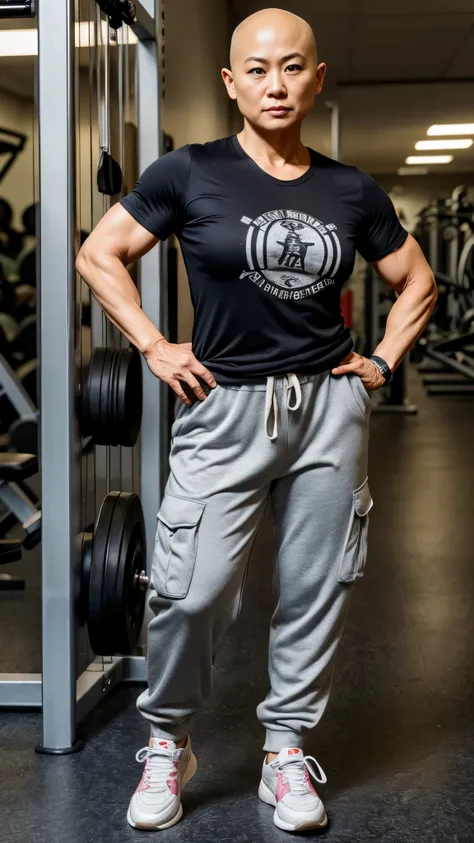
(397, 739)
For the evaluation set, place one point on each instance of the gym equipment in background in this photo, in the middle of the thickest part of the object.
(109, 173)
(15, 469)
(18, 395)
(445, 351)
(73, 679)
(14, 143)
(17, 9)
(10, 551)
(111, 401)
(112, 579)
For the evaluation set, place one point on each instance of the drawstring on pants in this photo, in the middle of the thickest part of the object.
(270, 399)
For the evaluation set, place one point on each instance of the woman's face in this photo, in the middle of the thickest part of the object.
(275, 75)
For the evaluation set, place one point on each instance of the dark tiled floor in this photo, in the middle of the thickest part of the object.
(397, 739)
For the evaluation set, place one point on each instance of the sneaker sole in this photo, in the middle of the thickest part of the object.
(267, 796)
(187, 776)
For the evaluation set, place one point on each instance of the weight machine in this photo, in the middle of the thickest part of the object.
(445, 232)
(64, 692)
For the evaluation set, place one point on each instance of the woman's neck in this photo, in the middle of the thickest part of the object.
(274, 150)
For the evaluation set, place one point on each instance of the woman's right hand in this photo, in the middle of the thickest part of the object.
(175, 362)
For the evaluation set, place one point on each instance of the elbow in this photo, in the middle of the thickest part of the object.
(81, 262)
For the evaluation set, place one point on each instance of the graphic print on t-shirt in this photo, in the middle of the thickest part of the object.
(291, 254)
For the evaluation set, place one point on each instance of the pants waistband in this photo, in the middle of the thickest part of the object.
(279, 382)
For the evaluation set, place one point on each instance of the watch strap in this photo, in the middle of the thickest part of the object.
(383, 367)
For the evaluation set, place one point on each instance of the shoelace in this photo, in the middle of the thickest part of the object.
(294, 773)
(158, 766)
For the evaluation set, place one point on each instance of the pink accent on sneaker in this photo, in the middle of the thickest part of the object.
(282, 787)
(172, 782)
(173, 785)
(144, 783)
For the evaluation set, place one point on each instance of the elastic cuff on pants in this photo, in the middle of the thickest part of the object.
(167, 736)
(276, 740)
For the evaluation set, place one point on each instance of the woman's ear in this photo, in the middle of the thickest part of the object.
(228, 78)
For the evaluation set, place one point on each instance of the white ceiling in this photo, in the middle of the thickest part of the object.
(395, 68)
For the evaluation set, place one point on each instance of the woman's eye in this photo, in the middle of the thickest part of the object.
(256, 69)
(294, 67)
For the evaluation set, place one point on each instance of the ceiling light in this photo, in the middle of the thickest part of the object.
(452, 129)
(412, 171)
(429, 159)
(461, 143)
(18, 42)
(24, 42)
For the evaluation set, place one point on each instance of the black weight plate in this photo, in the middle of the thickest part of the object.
(119, 420)
(126, 558)
(116, 395)
(130, 397)
(82, 585)
(94, 382)
(98, 401)
(82, 403)
(112, 431)
(100, 636)
(112, 423)
(103, 430)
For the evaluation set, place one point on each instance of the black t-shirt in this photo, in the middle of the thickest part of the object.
(266, 258)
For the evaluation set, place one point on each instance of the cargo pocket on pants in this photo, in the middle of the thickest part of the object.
(176, 545)
(355, 554)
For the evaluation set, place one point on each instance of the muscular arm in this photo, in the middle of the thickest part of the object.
(116, 242)
(407, 272)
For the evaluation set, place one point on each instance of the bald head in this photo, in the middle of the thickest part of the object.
(266, 29)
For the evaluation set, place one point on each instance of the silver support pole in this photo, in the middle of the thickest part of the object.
(335, 130)
(154, 459)
(58, 437)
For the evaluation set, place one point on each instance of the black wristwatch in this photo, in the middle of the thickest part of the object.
(383, 367)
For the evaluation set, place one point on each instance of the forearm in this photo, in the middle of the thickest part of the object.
(407, 318)
(112, 286)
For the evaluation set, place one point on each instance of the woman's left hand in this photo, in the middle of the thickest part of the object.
(370, 376)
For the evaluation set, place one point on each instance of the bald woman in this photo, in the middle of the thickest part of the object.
(274, 406)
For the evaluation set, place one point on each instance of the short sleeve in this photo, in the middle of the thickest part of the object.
(157, 200)
(381, 232)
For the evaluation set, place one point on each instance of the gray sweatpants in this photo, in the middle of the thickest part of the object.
(300, 442)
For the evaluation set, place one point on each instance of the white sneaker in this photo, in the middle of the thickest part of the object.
(156, 802)
(286, 784)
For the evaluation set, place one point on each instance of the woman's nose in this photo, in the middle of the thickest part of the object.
(275, 83)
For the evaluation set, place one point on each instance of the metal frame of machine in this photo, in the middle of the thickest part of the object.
(64, 698)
